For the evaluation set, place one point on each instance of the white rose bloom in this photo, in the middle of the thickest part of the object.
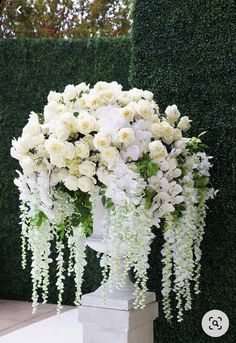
(144, 109)
(94, 101)
(157, 150)
(32, 128)
(54, 146)
(69, 151)
(58, 160)
(157, 130)
(82, 149)
(86, 124)
(61, 132)
(124, 98)
(181, 143)
(19, 148)
(177, 134)
(135, 94)
(100, 86)
(148, 95)
(69, 121)
(34, 141)
(101, 141)
(83, 101)
(110, 155)
(167, 132)
(82, 87)
(70, 93)
(71, 182)
(85, 184)
(109, 96)
(28, 164)
(184, 123)
(128, 112)
(54, 96)
(172, 113)
(52, 110)
(87, 168)
(126, 135)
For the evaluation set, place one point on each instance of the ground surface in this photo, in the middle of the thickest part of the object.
(17, 324)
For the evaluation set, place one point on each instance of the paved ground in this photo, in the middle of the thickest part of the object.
(15, 315)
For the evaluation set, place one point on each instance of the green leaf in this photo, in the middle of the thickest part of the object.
(152, 169)
(38, 219)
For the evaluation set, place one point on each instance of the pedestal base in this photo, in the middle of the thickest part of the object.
(117, 321)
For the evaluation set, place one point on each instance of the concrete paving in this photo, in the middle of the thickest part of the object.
(15, 315)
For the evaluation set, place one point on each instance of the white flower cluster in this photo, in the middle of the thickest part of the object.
(148, 174)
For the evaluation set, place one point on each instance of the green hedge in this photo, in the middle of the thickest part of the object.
(184, 52)
(29, 70)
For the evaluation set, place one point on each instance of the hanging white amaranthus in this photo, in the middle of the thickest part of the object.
(146, 172)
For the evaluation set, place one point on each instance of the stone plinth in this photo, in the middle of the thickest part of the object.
(117, 321)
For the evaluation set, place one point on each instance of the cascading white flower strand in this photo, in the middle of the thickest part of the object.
(128, 237)
(24, 222)
(39, 242)
(60, 273)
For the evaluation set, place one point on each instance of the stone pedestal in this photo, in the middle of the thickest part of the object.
(117, 321)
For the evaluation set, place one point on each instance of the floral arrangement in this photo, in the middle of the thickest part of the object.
(103, 141)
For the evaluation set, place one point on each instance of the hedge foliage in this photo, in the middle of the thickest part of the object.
(184, 52)
(29, 70)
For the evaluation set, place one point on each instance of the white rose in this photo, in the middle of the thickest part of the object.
(101, 141)
(69, 151)
(184, 123)
(34, 141)
(181, 143)
(135, 94)
(128, 113)
(71, 182)
(109, 96)
(177, 134)
(69, 121)
(83, 101)
(110, 155)
(95, 101)
(19, 148)
(87, 168)
(28, 164)
(85, 184)
(167, 133)
(82, 87)
(54, 96)
(100, 86)
(172, 113)
(156, 130)
(32, 128)
(148, 95)
(144, 109)
(58, 160)
(53, 109)
(70, 93)
(86, 124)
(61, 132)
(124, 98)
(54, 146)
(126, 135)
(82, 149)
(157, 150)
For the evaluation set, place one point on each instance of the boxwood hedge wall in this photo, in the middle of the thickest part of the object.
(184, 52)
(29, 70)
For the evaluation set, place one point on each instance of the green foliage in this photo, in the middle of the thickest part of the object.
(146, 167)
(38, 219)
(184, 52)
(29, 70)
